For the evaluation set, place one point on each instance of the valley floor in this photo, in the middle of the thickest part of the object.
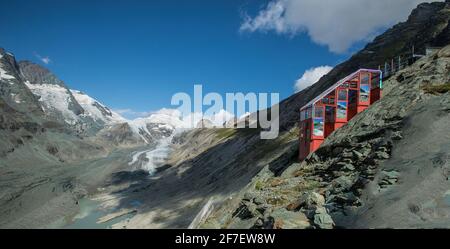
(48, 195)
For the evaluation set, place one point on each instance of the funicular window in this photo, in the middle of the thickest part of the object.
(318, 127)
(329, 99)
(375, 80)
(342, 110)
(365, 78)
(318, 112)
(332, 98)
(364, 93)
(364, 88)
(329, 114)
(352, 96)
(308, 113)
(342, 95)
(318, 121)
(354, 82)
(302, 115)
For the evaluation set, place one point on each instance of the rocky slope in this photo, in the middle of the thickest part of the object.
(212, 168)
(376, 166)
(387, 168)
(427, 25)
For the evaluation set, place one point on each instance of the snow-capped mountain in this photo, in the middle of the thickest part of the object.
(57, 101)
(162, 123)
(27, 85)
(165, 122)
(72, 107)
(97, 110)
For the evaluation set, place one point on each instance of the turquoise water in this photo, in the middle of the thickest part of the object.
(89, 214)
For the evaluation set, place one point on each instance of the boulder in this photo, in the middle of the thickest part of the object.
(322, 219)
(358, 156)
(258, 200)
(284, 219)
(311, 200)
(382, 155)
(248, 196)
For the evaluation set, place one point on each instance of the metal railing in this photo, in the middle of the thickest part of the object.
(392, 66)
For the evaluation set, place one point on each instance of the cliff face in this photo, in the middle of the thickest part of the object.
(13, 90)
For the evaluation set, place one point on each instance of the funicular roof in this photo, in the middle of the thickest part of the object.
(337, 84)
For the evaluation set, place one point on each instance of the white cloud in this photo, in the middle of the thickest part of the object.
(336, 24)
(220, 117)
(131, 114)
(45, 59)
(310, 77)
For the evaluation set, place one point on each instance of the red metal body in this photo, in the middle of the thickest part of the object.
(336, 106)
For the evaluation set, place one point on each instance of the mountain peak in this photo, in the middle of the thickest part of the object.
(37, 74)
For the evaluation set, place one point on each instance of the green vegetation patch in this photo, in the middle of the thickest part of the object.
(259, 185)
(224, 133)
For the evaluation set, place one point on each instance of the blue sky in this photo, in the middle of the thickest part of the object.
(136, 54)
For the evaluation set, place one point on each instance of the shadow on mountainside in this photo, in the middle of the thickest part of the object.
(172, 198)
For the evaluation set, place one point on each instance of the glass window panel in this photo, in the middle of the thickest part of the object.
(330, 98)
(329, 113)
(308, 113)
(364, 93)
(352, 96)
(375, 80)
(318, 127)
(342, 95)
(365, 78)
(342, 110)
(318, 112)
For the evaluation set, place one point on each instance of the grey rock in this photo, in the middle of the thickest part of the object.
(248, 196)
(322, 219)
(258, 200)
(397, 135)
(358, 156)
(343, 182)
(311, 200)
(348, 167)
(347, 154)
(382, 155)
(284, 219)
